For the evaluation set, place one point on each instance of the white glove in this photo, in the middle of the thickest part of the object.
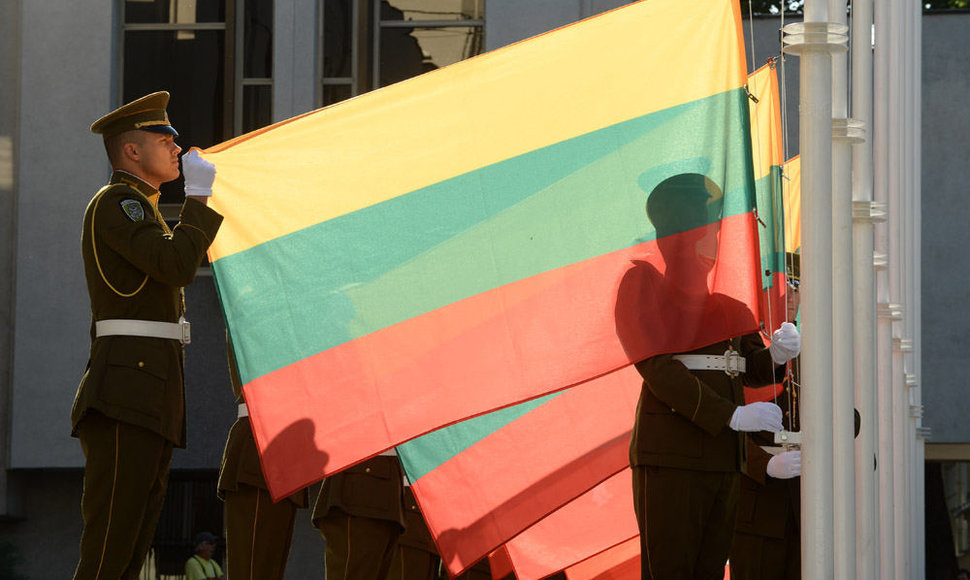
(199, 174)
(757, 417)
(786, 343)
(785, 465)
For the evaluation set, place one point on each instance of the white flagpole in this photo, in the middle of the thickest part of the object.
(865, 213)
(843, 395)
(811, 41)
(888, 311)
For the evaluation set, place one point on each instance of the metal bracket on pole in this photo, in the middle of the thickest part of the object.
(788, 438)
(924, 433)
(910, 380)
(828, 37)
(889, 310)
(880, 261)
(869, 212)
(851, 131)
(902, 344)
(916, 411)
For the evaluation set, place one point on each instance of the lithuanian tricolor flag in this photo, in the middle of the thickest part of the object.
(490, 480)
(476, 237)
(766, 146)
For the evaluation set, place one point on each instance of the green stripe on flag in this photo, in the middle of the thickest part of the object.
(771, 231)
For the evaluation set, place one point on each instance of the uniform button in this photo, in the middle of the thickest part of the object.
(367, 470)
(141, 364)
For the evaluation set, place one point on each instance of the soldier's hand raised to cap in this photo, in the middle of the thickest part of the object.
(199, 175)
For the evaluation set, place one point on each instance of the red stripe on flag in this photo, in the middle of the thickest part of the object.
(500, 563)
(621, 562)
(483, 353)
(590, 524)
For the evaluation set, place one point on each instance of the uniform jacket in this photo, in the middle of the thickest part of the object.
(416, 535)
(682, 417)
(135, 268)
(766, 504)
(240, 460)
(372, 489)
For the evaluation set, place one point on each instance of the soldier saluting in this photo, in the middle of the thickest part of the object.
(129, 411)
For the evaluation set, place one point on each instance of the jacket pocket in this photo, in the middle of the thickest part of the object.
(136, 374)
(670, 434)
(373, 484)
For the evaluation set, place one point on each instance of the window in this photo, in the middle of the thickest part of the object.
(369, 44)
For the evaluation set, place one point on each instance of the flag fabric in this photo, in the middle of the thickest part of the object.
(621, 562)
(462, 495)
(590, 524)
(455, 243)
(595, 535)
(767, 155)
(792, 189)
(484, 481)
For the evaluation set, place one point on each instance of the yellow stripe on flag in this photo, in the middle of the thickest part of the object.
(542, 91)
(765, 120)
(792, 192)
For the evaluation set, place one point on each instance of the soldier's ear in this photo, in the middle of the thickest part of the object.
(130, 151)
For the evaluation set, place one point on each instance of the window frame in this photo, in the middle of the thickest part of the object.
(367, 55)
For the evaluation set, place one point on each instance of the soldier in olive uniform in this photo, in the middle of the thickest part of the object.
(416, 556)
(258, 531)
(129, 411)
(766, 538)
(688, 446)
(360, 513)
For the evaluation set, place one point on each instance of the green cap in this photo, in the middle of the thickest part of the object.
(147, 114)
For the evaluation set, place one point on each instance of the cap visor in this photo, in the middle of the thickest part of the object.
(165, 129)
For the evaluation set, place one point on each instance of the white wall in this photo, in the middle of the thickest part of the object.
(65, 74)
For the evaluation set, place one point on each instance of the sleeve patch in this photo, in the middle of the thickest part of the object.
(133, 209)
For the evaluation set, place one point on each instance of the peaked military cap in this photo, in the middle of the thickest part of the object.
(147, 114)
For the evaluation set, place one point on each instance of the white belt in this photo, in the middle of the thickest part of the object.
(179, 331)
(730, 362)
(390, 452)
(243, 411)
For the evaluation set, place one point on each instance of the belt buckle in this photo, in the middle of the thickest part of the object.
(731, 355)
(186, 328)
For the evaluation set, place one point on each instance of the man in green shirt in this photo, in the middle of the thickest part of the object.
(201, 566)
